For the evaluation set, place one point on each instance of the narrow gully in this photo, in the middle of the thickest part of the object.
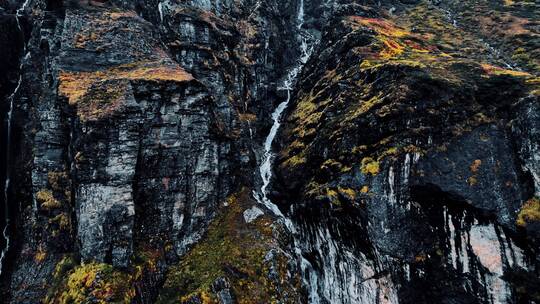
(265, 169)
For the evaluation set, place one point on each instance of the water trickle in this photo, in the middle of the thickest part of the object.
(310, 277)
(5, 231)
(160, 10)
(452, 239)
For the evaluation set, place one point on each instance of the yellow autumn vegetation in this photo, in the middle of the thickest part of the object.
(74, 85)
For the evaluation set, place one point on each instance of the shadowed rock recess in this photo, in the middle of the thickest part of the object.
(278, 151)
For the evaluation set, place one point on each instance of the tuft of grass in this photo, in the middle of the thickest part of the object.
(46, 200)
(530, 212)
(370, 166)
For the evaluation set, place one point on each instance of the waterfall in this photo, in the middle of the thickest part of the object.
(160, 10)
(265, 168)
(5, 231)
(343, 276)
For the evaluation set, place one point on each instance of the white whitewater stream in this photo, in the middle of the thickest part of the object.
(11, 98)
(265, 168)
(310, 277)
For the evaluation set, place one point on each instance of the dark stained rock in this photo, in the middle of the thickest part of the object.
(478, 168)
(131, 139)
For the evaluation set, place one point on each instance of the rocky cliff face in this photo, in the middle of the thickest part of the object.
(270, 151)
(403, 162)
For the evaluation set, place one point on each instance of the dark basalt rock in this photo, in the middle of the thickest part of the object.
(480, 169)
(11, 46)
(130, 139)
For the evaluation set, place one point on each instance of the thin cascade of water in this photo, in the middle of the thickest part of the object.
(5, 231)
(265, 168)
(160, 11)
(301, 242)
(311, 278)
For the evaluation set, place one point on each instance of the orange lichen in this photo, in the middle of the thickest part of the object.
(387, 32)
(420, 258)
(123, 14)
(494, 70)
(381, 26)
(81, 39)
(247, 117)
(475, 165)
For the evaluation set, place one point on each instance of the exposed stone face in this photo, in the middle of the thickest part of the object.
(10, 41)
(478, 168)
(527, 131)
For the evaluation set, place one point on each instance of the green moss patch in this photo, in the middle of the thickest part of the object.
(231, 249)
(96, 282)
